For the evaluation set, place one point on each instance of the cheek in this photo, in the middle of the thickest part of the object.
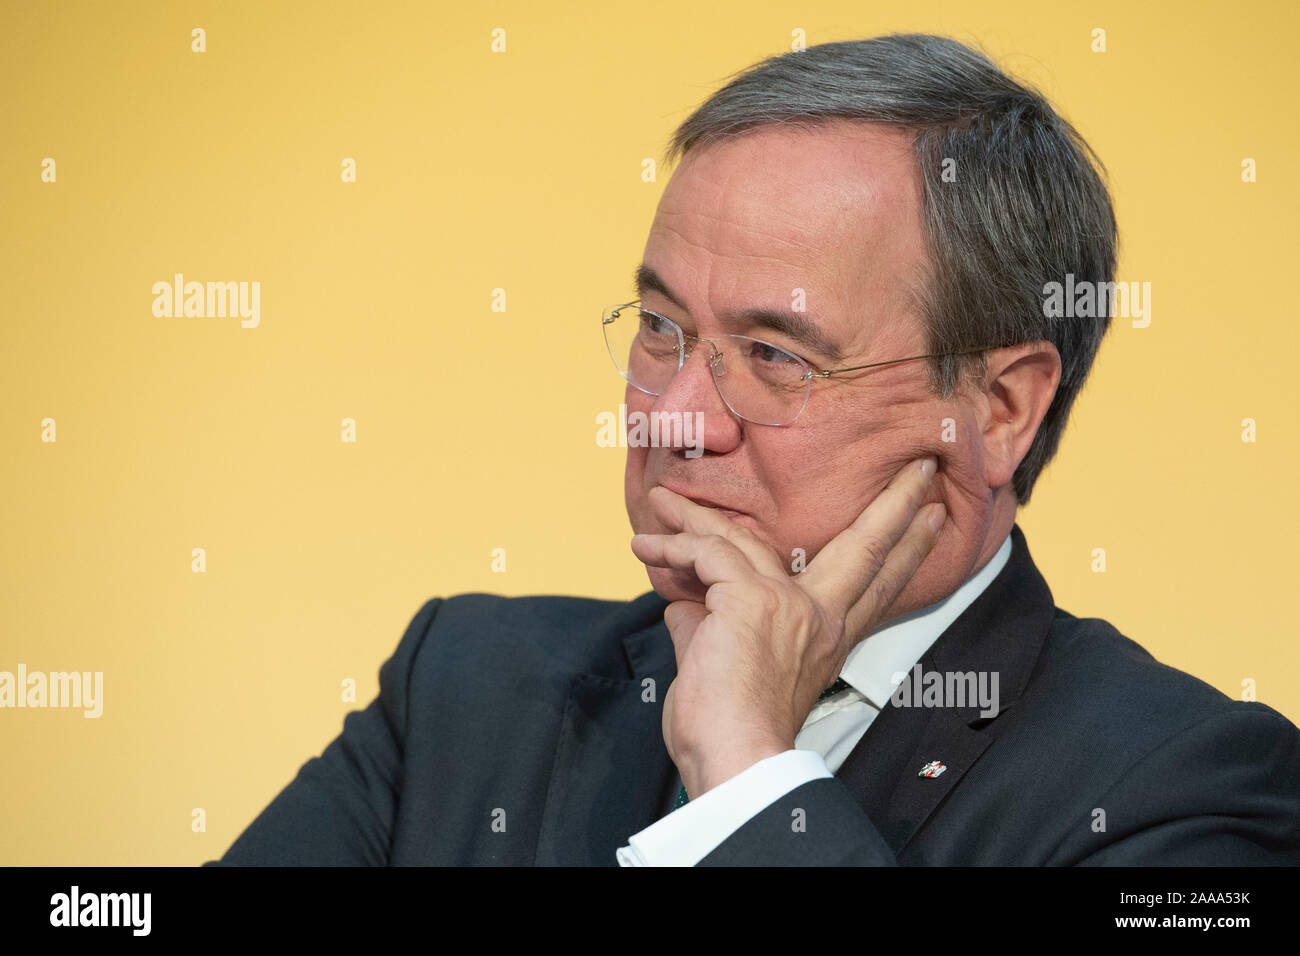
(637, 400)
(813, 498)
(634, 469)
(822, 494)
(634, 490)
(961, 479)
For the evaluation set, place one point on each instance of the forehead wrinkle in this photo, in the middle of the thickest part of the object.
(712, 292)
(747, 232)
(767, 296)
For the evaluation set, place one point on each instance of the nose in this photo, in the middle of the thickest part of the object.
(712, 356)
(693, 391)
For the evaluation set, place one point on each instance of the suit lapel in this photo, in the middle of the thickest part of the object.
(611, 775)
(1002, 632)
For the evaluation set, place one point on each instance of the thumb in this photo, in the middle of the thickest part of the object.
(682, 618)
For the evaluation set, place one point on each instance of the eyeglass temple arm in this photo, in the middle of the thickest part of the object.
(824, 373)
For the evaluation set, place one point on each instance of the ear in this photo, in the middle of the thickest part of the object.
(1019, 387)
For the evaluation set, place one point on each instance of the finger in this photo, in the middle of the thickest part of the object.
(844, 568)
(682, 514)
(897, 570)
(712, 557)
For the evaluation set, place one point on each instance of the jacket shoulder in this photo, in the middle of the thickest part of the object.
(1107, 693)
(482, 633)
(1183, 772)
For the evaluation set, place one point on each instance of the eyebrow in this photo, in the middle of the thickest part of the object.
(800, 327)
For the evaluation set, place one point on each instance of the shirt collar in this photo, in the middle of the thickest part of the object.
(898, 644)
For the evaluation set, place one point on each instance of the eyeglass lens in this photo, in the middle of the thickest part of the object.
(759, 381)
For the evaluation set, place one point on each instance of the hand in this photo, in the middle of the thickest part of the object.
(754, 657)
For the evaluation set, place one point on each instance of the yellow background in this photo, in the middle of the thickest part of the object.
(476, 429)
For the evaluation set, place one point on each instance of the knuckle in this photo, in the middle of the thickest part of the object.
(875, 550)
(716, 542)
(835, 627)
(807, 605)
(767, 598)
(806, 615)
(838, 626)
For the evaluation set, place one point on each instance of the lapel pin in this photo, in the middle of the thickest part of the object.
(932, 769)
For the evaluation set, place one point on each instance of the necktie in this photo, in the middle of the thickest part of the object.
(839, 685)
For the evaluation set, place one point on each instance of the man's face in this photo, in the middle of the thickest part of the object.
(835, 212)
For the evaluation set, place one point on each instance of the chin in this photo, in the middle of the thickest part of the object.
(675, 585)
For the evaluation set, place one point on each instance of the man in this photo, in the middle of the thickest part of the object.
(849, 656)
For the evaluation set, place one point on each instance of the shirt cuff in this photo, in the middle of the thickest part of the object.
(690, 833)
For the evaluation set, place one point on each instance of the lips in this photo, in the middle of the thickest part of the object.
(708, 503)
(729, 512)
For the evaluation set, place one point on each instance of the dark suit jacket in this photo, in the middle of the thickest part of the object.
(518, 731)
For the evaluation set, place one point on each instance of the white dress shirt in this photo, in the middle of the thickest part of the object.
(872, 669)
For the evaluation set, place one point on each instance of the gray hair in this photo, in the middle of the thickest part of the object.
(1030, 208)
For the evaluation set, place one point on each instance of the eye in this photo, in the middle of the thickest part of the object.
(763, 352)
(655, 324)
